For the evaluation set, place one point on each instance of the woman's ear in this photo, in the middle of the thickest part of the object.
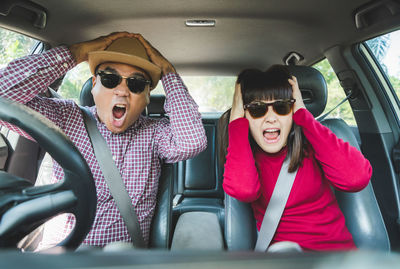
(93, 81)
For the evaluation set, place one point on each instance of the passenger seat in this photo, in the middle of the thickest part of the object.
(361, 210)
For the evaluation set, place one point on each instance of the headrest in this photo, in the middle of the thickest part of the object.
(86, 97)
(312, 86)
(154, 109)
(156, 106)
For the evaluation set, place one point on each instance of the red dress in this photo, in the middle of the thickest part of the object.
(312, 217)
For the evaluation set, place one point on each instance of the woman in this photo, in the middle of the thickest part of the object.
(268, 123)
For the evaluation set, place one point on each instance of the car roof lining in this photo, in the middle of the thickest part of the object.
(247, 33)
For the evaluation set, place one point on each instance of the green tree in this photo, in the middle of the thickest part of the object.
(395, 81)
(14, 45)
(73, 82)
(379, 47)
(211, 93)
(335, 94)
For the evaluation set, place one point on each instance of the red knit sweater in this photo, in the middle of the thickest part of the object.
(312, 217)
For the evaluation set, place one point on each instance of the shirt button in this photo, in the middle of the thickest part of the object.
(65, 65)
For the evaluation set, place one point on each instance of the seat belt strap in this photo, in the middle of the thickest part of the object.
(275, 207)
(113, 179)
(322, 117)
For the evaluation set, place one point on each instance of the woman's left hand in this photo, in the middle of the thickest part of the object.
(296, 94)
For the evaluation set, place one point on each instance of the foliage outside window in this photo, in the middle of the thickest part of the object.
(386, 51)
(73, 82)
(14, 45)
(335, 94)
(211, 93)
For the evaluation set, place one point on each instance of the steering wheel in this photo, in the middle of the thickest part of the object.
(24, 207)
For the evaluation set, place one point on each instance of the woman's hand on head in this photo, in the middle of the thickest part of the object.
(237, 104)
(296, 94)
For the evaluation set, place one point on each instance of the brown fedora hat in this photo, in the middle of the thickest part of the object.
(127, 50)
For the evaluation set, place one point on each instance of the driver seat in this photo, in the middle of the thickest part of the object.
(361, 210)
(160, 235)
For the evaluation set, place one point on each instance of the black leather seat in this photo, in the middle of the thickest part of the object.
(361, 210)
(160, 231)
(199, 182)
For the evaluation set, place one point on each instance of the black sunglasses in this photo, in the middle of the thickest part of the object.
(281, 107)
(111, 80)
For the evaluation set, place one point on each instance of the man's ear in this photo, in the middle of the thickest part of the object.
(93, 81)
(148, 96)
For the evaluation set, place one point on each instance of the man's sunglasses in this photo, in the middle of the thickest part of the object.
(111, 80)
(281, 107)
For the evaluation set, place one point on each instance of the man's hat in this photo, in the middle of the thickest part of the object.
(127, 50)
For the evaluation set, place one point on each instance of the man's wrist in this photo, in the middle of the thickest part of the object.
(168, 69)
(76, 53)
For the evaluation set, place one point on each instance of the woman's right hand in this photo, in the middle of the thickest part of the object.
(237, 104)
(296, 94)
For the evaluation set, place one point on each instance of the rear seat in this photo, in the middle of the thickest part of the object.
(198, 186)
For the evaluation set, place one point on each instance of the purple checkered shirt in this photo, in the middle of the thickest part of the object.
(137, 152)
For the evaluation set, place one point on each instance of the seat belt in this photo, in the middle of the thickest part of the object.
(322, 117)
(113, 179)
(275, 207)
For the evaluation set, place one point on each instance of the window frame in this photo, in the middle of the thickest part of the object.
(382, 79)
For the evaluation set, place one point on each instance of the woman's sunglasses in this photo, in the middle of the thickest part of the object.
(111, 80)
(281, 107)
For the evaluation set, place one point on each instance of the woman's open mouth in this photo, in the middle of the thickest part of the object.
(271, 135)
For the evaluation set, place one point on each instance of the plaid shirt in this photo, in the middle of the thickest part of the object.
(136, 152)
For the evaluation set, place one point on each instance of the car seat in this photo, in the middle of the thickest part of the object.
(160, 231)
(361, 210)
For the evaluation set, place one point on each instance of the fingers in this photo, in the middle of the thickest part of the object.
(155, 56)
(293, 81)
(116, 35)
(237, 104)
(151, 51)
(296, 94)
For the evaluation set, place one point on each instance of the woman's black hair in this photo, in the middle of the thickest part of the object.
(257, 85)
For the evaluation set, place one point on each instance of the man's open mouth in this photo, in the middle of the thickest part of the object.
(119, 111)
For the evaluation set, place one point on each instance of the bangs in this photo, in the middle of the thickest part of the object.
(271, 84)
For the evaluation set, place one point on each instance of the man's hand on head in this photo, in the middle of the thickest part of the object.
(155, 56)
(80, 50)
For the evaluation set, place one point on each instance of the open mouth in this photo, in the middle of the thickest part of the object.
(271, 135)
(119, 111)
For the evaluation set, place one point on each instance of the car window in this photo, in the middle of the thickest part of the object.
(214, 93)
(335, 94)
(385, 48)
(73, 81)
(211, 93)
(14, 45)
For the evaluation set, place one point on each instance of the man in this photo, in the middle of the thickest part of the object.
(125, 68)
